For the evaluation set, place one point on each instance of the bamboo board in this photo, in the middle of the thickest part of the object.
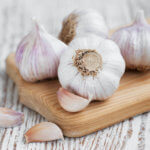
(132, 98)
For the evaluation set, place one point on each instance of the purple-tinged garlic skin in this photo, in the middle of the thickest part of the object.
(38, 54)
(45, 131)
(134, 43)
(10, 118)
(71, 102)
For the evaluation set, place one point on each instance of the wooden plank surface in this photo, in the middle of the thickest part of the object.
(132, 98)
(15, 21)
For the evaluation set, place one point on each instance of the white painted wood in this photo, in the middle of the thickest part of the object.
(15, 22)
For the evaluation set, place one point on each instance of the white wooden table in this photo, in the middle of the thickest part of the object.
(15, 22)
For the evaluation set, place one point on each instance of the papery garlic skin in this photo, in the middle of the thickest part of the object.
(80, 22)
(38, 54)
(104, 81)
(10, 118)
(134, 43)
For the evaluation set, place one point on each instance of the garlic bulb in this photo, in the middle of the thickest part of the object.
(134, 43)
(91, 67)
(37, 55)
(80, 22)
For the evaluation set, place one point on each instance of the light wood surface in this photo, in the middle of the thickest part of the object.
(15, 22)
(132, 98)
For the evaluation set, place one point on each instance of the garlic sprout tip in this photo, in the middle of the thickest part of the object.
(140, 18)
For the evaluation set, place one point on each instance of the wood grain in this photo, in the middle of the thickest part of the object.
(131, 134)
(132, 98)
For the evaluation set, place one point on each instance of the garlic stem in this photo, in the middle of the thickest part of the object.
(140, 19)
(35, 24)
(38, 28)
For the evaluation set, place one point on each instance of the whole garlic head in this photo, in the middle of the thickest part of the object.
(134, 43)
(91, 67)
(38, 54)
(81, 22)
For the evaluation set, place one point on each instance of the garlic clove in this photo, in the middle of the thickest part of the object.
(10, 118)
(71, 102)
(38, 54)
(45, 131)
(80, 22)
(134, 43)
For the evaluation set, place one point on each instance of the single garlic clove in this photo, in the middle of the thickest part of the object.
(38, 54)
(71, 102)
(80, 22)
(10, 118)
(45, 131)
(134, 43)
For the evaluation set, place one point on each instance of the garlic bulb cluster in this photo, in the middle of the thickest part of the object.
(134, 43)
(91, 67)
(37, 55)
(81, 22)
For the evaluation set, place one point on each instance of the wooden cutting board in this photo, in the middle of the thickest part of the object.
(132, 98)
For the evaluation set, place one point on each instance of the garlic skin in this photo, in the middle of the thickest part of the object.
(71, 102)
(10, 118)
(91, 67)
(38, 54)
(134, 43)
(45, 131)
(80, 22)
